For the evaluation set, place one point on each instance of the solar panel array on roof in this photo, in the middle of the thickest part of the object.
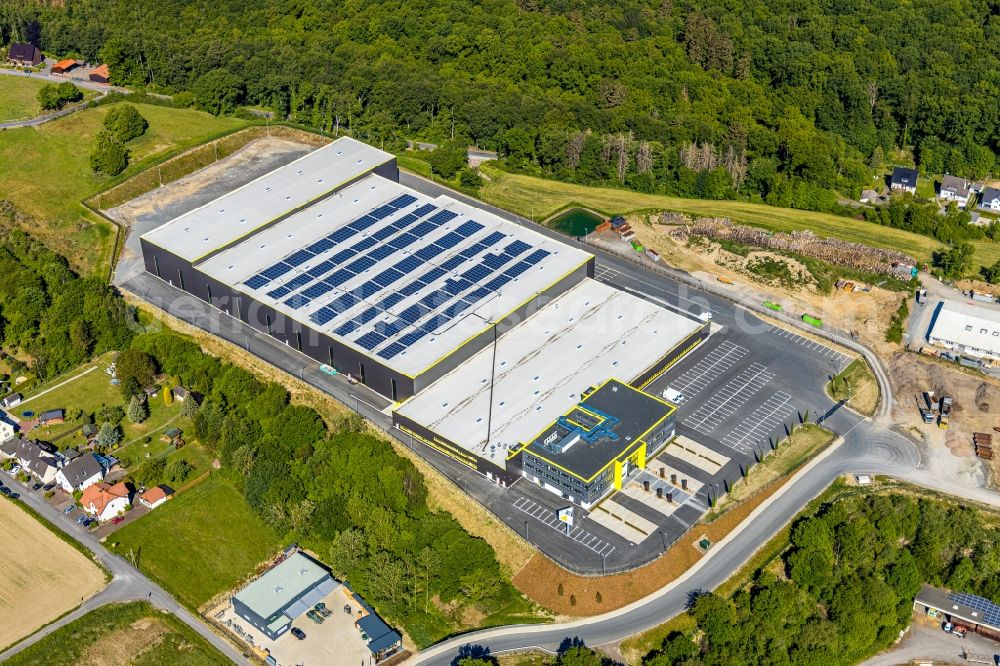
(990, 611)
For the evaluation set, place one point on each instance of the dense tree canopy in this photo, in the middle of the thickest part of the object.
(847, 585)
(788, 103)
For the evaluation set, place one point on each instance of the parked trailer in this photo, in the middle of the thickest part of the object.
(812, 321)
(772, 306)
(724, 280)
(637, 246)
(981, 296)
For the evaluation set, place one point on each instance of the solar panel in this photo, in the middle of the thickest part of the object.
(406, 240)
(380, 253)
(493, 238)
(276, 271)
(412, 337)
(495, 261)
(298, 258)
(454, 287)
(413, 313)
(256, 282)
(517, 269)
(990, 611)
(344, 302)
(477, 273)
(516, 248)
(364, 244)
(435, 298)
(409, 264)
(423, 229)
(435, 323)
(298, 281)
(279, 292)
(340, 235)
(317, 290)
(477, 295)
(402, 201)
(362, 223)
(536, 256)
(387, 277)
(296, 301)
(405, 221)
(497, 282)
(452, 262)
(370, 340)
(320, 246)
(433, 274)
(322, 316)
(343, 256)
(383, 233)
(321, 268)
(457, 308)
(360, 264)
(449, 240)
(348, 328)
(427, 253)
(391, 300)
(424, 210)
(412, 288)
(382, 212)
(468, 228)
(442, 216)
(339, 278)
(367, 290)
(392, 350)
(389, 330)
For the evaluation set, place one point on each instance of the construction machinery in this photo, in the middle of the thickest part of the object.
(945, 412)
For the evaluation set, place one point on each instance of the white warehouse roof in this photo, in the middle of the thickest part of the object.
(585, 336)
(398, 275)
(245, 209)
(974, 328)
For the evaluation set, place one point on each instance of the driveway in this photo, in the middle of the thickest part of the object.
(925, 641)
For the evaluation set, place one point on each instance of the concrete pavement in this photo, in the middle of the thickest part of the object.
(127, 584)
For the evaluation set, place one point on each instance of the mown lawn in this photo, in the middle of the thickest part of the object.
(45, 172)
(200, 543)
(539, 198)
(133, 633)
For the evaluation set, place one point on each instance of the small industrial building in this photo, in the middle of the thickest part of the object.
(383, 640)
(276, 599)
(971, 330)
(100, 74)
(595, 447)
(981, 615)
(25, 54)
(64, 66)
(903, 179)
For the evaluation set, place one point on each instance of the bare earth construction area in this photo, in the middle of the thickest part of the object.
(44, 577)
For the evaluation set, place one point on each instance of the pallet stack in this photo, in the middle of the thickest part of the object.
(984, 445)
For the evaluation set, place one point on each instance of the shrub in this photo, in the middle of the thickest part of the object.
(125, 122)
(109, 156)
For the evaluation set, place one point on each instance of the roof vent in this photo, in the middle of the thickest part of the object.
(277, 590)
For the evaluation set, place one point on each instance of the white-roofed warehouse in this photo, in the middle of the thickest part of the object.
(971, 329)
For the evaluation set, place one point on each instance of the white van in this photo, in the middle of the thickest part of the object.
(676, 397)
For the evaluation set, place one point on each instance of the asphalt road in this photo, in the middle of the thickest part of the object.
(127, 583)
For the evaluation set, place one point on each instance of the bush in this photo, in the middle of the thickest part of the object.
(895, 330)
(125, 122)
(53, 96)
(112, 414)
(183, 100)
(109, 156)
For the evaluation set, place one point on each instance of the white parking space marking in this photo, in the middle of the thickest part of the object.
(728, 399)
(549, 519)
(841, 360)
(760, 423)
(712, 366)
(603, 273)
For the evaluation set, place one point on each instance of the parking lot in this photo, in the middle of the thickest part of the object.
(335, 641)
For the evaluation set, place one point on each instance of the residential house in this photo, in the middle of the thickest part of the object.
(44, 467)
(64, 66)
(104, 501)
(80, 473)
(869, 196)
(11, 401)
(955, 189)
(903, 179)
(7, 428)
(100, 74)
(990, 199)
(182, 394)
(38, 458)
(52, 417)
(154, 497)
(25, 54)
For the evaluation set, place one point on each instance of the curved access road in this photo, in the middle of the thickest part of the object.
(868, 448)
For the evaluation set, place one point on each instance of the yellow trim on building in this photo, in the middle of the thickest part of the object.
(676, 360)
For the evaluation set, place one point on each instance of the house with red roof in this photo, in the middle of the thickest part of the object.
(104, 501)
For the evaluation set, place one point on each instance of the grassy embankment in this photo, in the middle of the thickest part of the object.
(539, 198)
(857, 385)
(45, 172)
(134, 633)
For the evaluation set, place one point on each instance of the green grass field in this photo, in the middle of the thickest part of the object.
(45, 171)
(200, 543)
(133, 633)
(538, 199)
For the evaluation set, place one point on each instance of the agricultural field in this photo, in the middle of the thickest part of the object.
(539, 198)
(44, 577)
(200, 543)
(132, 634)
(45, 172)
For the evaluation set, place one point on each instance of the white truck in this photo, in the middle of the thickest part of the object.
(673, 396)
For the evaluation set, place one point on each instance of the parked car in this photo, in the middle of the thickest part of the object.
(314, 616)
(5, 491)
(117, 519)
(36, 486)
(948, 626)
(14, 470)
(298, 633)
(81, 518)
(49, 486)
(14, 496)
(322, 609)
(70, 509)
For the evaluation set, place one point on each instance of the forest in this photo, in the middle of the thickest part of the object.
(844, 587)
(50, 314)
(795, 104)
(343, 493)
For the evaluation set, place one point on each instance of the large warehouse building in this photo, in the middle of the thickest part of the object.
(482, 332)
(969, 329)
(332, 256)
